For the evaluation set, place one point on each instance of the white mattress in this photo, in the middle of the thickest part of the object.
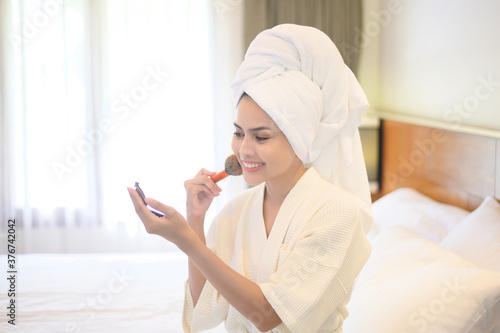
(97, 293)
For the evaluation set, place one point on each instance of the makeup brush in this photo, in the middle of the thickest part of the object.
(231, 168)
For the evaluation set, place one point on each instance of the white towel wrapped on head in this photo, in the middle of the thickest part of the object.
(297, 75)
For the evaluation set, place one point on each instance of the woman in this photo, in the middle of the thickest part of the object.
(283, 255)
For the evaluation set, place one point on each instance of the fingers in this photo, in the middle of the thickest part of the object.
(205, 172)
(202, 183)
(205, 187)
(203, 178)
(159, 206)
(136, 200)
(140, 208)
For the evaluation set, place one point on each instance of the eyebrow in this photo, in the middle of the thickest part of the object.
(261, 128)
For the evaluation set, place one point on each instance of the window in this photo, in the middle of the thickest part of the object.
(103, 94)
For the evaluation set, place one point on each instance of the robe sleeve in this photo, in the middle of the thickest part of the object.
(315, 278)
(211, 308)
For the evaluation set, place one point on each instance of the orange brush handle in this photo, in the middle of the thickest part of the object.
(219, 176)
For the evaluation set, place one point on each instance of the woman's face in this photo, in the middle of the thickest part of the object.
(262, 149)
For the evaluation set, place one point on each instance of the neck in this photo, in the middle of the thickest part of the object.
(277, 190)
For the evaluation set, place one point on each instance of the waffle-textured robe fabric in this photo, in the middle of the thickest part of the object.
(305, 268)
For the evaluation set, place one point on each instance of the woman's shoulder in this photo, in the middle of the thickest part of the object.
(332, 209)
(330, 194)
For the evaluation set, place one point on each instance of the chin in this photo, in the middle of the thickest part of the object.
(252, 180)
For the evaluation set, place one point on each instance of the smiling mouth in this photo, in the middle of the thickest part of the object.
(252, 165)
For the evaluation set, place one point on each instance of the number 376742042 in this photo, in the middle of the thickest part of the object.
(11, 244)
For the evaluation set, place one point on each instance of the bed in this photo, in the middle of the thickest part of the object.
(436, 236)
(435, 265)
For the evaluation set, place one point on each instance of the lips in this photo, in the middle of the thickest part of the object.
(251, 166)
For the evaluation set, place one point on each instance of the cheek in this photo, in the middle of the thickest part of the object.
(286, 154)
(235, 146)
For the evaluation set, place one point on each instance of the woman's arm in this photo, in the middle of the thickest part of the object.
(200, 192)
(196, 279)
(243, 294)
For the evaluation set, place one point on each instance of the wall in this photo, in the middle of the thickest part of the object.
(433, 62)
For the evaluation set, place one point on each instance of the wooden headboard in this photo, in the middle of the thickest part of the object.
(451, 167)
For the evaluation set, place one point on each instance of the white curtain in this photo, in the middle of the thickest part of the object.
(96, 95)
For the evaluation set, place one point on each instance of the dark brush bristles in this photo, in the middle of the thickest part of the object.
(232, 166)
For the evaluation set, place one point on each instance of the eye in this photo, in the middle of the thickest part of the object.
(260, 138)
(238, 134)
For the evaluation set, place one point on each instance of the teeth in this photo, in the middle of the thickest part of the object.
(254, 165)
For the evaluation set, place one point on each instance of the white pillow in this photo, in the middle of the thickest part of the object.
(407, 207)
(477, 237)
(411, 284)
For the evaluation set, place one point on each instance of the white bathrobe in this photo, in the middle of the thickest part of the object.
(305, 268)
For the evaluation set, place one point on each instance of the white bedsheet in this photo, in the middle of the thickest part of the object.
(141, 292)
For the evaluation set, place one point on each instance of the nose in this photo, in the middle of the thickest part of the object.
(246, 148)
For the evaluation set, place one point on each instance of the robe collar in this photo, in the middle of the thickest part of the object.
(279, 238)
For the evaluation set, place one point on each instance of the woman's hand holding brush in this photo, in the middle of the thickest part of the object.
(200, 192)
(203, 188)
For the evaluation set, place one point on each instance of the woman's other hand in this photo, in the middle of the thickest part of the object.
(172, 226)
